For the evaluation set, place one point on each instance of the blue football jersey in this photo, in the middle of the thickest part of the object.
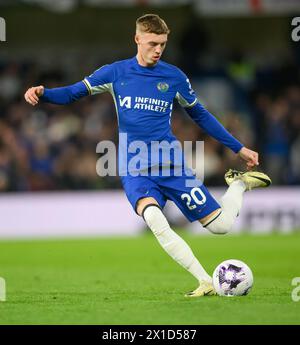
(143, 98)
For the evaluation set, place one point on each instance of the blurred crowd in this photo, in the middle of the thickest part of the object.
(50, 147)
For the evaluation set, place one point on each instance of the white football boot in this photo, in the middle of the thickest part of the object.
(204, 289)
(252, 179)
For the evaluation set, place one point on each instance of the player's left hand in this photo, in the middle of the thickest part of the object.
(251, 157)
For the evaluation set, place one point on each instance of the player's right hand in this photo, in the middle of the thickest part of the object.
(32, 94)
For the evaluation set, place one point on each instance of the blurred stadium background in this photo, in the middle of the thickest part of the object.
(243, 65)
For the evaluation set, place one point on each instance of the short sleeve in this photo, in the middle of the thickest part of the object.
(185, 95)
(101, 80)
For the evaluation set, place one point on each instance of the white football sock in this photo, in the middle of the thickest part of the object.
(231, 204)
(173, 244)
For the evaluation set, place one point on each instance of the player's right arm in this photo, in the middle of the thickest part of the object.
(59, 95)
(98, 82)
(33, 94)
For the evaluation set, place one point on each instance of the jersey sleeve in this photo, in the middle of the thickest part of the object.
(66, 94)
(185, 95)
(101, 80)
(213, 127)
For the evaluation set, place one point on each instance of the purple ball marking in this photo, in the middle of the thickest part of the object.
(234, 282)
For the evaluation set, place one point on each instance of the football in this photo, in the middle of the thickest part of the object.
(232, 278)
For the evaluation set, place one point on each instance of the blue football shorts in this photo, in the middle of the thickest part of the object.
(194, 202)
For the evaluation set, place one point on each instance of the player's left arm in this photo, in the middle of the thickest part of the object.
(187, 98)
(215, 129)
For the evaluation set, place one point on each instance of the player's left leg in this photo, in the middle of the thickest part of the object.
(221, 221)
(197, 203)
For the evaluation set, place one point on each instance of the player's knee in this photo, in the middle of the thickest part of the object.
(218, 229)
(143, 203)
(220, 225)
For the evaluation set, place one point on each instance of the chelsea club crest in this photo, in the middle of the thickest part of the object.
(163, 87)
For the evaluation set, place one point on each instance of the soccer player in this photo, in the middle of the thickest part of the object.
(144, 88)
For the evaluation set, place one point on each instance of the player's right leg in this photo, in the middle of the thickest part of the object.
(148, 200)
(171, 242)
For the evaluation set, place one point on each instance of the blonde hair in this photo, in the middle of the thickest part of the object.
(152, 23)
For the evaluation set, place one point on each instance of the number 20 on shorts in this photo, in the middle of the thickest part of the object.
(196, 197)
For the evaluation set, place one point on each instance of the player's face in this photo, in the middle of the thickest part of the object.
(150, 47)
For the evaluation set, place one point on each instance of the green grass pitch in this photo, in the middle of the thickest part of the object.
(133, 281)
